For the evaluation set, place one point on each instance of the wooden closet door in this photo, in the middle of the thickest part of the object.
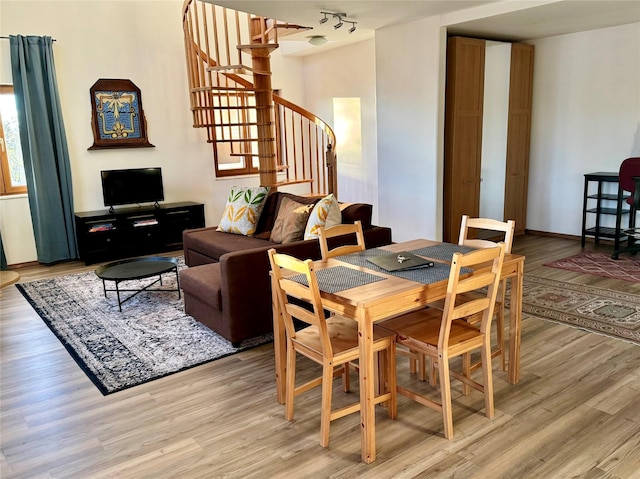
(463, 132)
(519, 135)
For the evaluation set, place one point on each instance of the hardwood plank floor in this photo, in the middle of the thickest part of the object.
(575, 413)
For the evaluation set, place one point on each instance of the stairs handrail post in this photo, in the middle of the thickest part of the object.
(331, 160)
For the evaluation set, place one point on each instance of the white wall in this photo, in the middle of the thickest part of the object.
(410, 88)
(586, 111)
(348, 72)
(495, 119)
(137, 40)
(586, 118)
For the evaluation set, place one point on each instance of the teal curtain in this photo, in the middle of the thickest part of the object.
(44, 147)
(3, 258)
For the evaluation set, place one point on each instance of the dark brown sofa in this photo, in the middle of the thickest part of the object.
(227, 285)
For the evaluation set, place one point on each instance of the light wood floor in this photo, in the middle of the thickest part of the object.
(575, 413)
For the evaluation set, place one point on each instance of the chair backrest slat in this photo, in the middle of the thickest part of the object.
(341, 230)
(485, 283)
(487, 224)
(310, 295)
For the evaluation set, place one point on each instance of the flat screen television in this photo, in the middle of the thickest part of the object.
(133, 186)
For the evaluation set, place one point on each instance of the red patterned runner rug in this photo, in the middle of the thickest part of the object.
(626, 267)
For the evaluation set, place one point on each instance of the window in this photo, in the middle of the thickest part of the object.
(11, 166)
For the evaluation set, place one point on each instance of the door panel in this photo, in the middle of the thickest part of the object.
(519, 135)
(463, 132)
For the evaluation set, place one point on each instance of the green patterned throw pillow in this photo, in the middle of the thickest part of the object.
(243, 209)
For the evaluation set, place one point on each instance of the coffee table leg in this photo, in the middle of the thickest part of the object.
(177, 283)
(118, 295)
(104, 288)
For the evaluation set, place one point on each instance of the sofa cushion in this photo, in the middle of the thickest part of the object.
(352, 212)
(216, 243)
(204, 283)
(325, 214)
(291, 221)
(242, 211)
(272, 204)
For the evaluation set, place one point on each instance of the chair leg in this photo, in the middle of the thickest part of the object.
(325, 414)
(413, 365)
(290, 382)
(499, 312)
(433, 372)
(500, 336)
(487, 378)
(346, 380)
(466, 371)
(445, 392)
(391, 380)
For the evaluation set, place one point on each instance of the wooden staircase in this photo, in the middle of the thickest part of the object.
(251, 128)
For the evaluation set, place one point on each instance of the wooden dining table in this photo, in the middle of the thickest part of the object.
(383, 299)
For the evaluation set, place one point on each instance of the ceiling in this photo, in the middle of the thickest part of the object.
(520, 20)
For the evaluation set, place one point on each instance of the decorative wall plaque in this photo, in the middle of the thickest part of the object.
(117, 117)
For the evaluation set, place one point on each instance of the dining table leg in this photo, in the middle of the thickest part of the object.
(515, 323)
(367, 388)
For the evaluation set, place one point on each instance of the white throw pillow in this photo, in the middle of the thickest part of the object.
(325, 214)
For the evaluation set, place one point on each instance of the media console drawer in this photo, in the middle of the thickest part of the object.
(135, 231)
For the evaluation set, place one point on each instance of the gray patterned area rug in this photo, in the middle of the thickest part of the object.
(611, 313)
(151, 338)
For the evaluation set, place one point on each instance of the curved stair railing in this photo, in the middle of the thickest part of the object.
(246, 122)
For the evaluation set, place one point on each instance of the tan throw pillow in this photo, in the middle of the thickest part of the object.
(325, 214)
(290, 222)
(242, 210)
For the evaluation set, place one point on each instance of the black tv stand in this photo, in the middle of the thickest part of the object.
(156, 205)
(105, 235)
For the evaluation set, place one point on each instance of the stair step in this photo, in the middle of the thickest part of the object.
(273, 25)
(259, 46)
(225, 89)
(239, 107)
(293, 182)
(238, 69)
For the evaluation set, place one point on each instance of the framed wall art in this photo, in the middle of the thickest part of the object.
(117, 117)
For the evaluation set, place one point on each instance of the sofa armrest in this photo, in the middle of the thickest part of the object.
(246, 286)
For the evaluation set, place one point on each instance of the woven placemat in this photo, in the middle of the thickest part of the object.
(428, 275)
(442, 251)
(339, 278)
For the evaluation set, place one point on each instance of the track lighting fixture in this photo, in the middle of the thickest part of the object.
(341, 17)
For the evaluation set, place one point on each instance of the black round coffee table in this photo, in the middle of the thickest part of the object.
(137, 268)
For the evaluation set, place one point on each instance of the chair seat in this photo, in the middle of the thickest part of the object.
(343, 334)
(422, 327)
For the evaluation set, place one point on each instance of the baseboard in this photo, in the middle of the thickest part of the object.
(569, 237)
(27, 264)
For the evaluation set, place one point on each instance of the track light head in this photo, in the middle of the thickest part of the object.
(341, 18)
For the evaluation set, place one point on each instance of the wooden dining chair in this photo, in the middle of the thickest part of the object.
(441, 335)
(331, 342)
(339, 230)
(505, 231)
